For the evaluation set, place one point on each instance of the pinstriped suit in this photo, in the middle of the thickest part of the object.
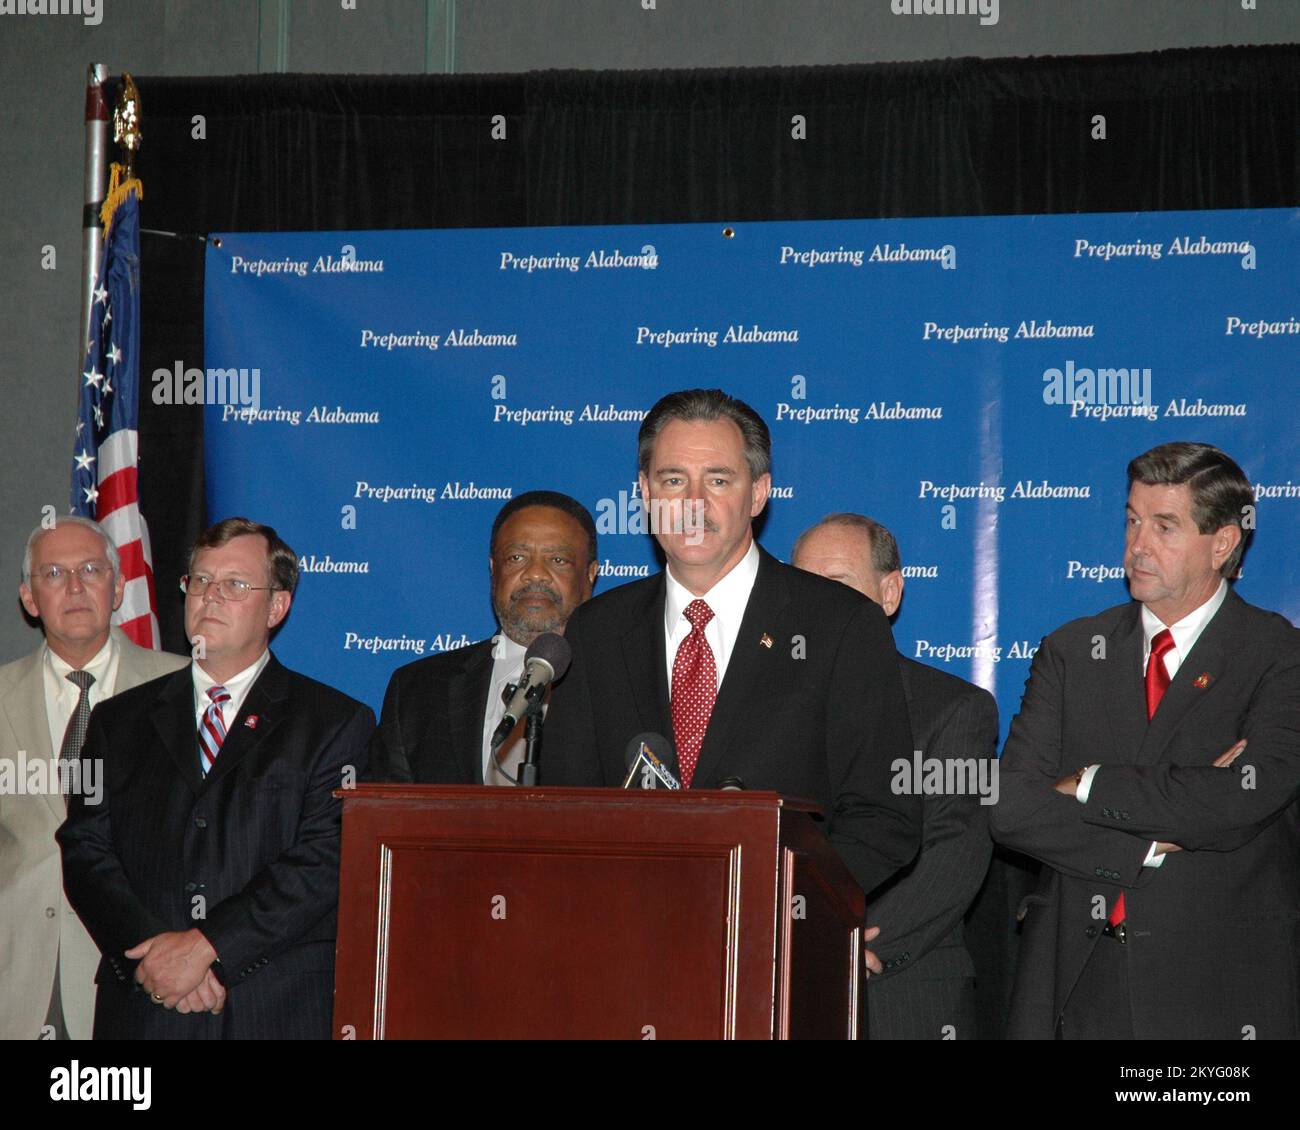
(929, 978)
(248, 854)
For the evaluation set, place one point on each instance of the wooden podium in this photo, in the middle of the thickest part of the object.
(495, 913)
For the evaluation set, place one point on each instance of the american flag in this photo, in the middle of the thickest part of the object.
(106, 449)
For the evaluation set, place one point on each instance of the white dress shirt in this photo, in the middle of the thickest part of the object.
(61, 695)
(237, 686)
(507, 667)
(1185, 632)
(727, 598)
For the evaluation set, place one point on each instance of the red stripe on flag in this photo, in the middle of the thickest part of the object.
(117, 490)
(139, 630)
(134, 565)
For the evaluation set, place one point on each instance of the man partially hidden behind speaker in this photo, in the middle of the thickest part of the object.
(440, 711)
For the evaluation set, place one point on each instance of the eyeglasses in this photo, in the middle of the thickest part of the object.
(90, 572)
(231, 588)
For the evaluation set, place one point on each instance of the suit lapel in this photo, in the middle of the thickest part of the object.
(24, 707)
(742, 690)
(467, 703)
(1121, 686)
(643, 652)
(173, 718)
(1207, 658)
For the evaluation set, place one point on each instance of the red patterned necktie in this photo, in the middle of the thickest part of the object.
(212, 730)
(1157, 683)
(695, 687)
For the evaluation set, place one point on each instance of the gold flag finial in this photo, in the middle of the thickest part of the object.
(126, 121)
(128, 135)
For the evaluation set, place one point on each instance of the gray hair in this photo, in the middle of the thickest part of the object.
(706, 405)
(110, 550)
(884, 546)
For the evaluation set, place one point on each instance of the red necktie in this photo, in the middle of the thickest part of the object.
(695, 687)
(1157, 684)
(1157, 676)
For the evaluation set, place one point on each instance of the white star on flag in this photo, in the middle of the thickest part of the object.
(92, 377)
(107, 386)
(101, 295)
(115, 354)
(99, 416)
(91, 493)
(81, 427)
(84, 460)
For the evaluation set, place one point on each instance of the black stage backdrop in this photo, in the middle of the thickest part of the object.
(1203, 128)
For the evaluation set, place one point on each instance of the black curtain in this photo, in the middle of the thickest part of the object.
(1209, 128)
(1205, 128)
(1194, 129)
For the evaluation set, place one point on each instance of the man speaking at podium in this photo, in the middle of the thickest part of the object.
(757, 671)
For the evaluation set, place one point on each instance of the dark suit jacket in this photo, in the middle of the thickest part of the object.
(1213, 947)
(431, 727)
(929, 978)
(249, 855)
(819, 714)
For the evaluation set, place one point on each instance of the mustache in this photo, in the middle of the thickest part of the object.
(535, 587)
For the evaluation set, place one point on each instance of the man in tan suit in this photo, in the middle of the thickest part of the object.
(72, 583)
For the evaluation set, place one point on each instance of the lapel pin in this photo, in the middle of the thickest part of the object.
(1202, 680)
(766, 641)
(251, 721)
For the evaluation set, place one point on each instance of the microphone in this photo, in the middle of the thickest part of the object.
(546, 660)
(645, 757)
(731, 785)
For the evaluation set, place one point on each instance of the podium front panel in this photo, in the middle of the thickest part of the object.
(557, 913)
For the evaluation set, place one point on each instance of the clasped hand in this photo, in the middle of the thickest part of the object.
(175, 971)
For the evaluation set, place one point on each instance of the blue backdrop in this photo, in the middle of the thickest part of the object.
(977, 384)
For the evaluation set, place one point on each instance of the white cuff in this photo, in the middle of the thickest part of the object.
(1154, 858)
(1085, 784)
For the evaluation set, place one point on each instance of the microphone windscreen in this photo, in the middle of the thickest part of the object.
(658, 746)
(554, 649)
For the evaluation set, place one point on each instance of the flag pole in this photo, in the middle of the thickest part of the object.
(96, 169)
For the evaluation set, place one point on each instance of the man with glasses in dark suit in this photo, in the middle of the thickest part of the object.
(208, 873)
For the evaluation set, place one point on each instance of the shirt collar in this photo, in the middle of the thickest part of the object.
(1187, 630)
(98, 666)
(507, 654)
(236, 684)
(727, 598)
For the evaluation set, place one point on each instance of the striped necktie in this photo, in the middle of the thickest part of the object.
(212, 730)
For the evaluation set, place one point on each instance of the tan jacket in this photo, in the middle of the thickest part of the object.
(36, 923)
